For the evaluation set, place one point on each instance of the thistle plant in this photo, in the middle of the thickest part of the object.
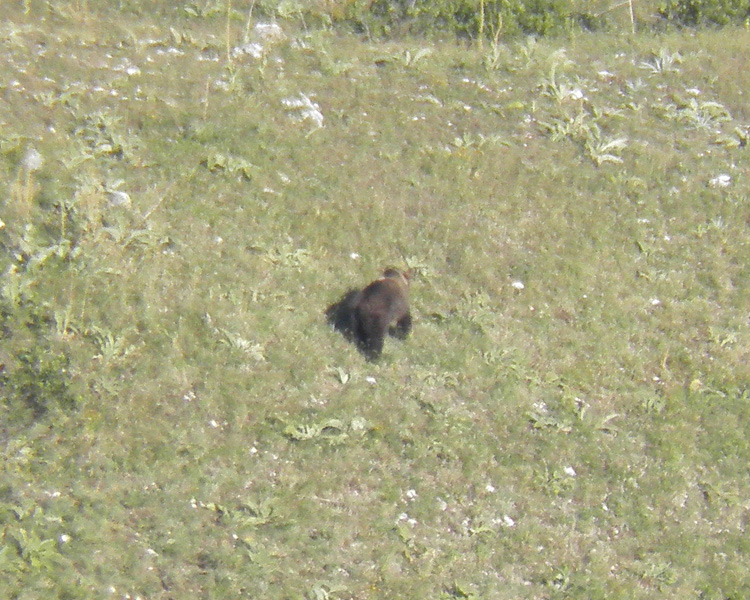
(663, 62)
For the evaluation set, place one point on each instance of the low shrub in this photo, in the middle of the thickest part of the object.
(37, 382)
(464, 18)
(705, 12)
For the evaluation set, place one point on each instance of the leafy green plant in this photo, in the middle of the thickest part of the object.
(231, 165)
(332, 430)
(410, 59)
(575, 127)
(248, 514)
(253, 349)
(103, 135)
(660, 575)
(604, 150)
(324, 591)
(37, 383)
(38, 554)
(701, 115)
(109, 347)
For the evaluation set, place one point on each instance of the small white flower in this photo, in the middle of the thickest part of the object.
(370, 380)
(490, 488)
(354, 255)
(722, 180)
(133, 70)
(411, 494)
(32, 161)
(64, 538)
(213, 424)
(269, 32)
(253, 49)
(655, 302)
(570, 471)
(407, 518)
(151, 552)
(508, 521)
(518, 285)
(118, 198)
(576, 94)
(308, 110)
(2, 224)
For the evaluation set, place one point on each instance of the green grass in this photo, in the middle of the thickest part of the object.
(179, 420)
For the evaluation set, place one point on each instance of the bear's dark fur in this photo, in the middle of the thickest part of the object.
(366, 316)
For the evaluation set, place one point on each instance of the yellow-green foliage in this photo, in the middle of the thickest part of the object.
(705, 12)
(465, 18)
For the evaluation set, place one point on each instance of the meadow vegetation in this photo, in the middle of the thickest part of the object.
(186, 188)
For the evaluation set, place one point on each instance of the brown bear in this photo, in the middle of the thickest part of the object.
(380, 308)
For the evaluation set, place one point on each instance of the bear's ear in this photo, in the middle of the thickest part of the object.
(399, 274)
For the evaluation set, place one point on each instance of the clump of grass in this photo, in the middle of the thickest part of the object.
(24, 188)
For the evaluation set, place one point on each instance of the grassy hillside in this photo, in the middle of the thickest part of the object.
(183, 196)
